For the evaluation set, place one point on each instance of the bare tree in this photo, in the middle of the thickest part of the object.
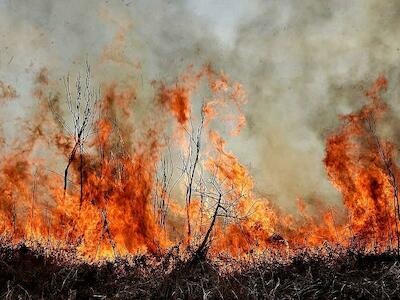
(82, 107)
(191, 164)
(221, 199)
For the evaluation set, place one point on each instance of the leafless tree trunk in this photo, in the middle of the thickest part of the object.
(191, 168)
(202, 249)
(222, 199)
(82, 108)
(71, 158)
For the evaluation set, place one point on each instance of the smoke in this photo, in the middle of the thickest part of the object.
(301, 63)
(304, 63)
(7, 92)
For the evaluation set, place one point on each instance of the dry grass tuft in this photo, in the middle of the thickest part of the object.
(41, 274)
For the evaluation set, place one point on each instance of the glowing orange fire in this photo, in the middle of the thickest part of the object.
(108, 208)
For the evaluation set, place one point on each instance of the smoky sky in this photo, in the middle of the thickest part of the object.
(301, 62)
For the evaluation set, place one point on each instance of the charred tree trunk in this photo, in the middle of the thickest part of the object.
(70, 160)
(192, 172)
(81, 178)
(202, 250)
(190, 186)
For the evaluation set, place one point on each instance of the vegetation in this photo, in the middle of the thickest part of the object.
(338, 273)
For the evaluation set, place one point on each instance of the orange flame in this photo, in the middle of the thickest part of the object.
(119, 165)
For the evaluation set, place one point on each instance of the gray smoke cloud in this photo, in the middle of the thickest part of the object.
(305, 63)
(301, 62)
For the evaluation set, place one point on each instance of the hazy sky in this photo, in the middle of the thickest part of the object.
(301, 62)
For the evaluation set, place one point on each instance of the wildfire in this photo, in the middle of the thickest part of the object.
(123, 192)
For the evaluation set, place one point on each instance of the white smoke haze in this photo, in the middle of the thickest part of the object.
(301, 62)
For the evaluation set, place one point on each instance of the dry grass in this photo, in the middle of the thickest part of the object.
(339, 274)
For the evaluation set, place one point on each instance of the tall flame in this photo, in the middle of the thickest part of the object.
(114, 214)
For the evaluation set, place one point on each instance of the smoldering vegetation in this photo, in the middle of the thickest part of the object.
(338, 273)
